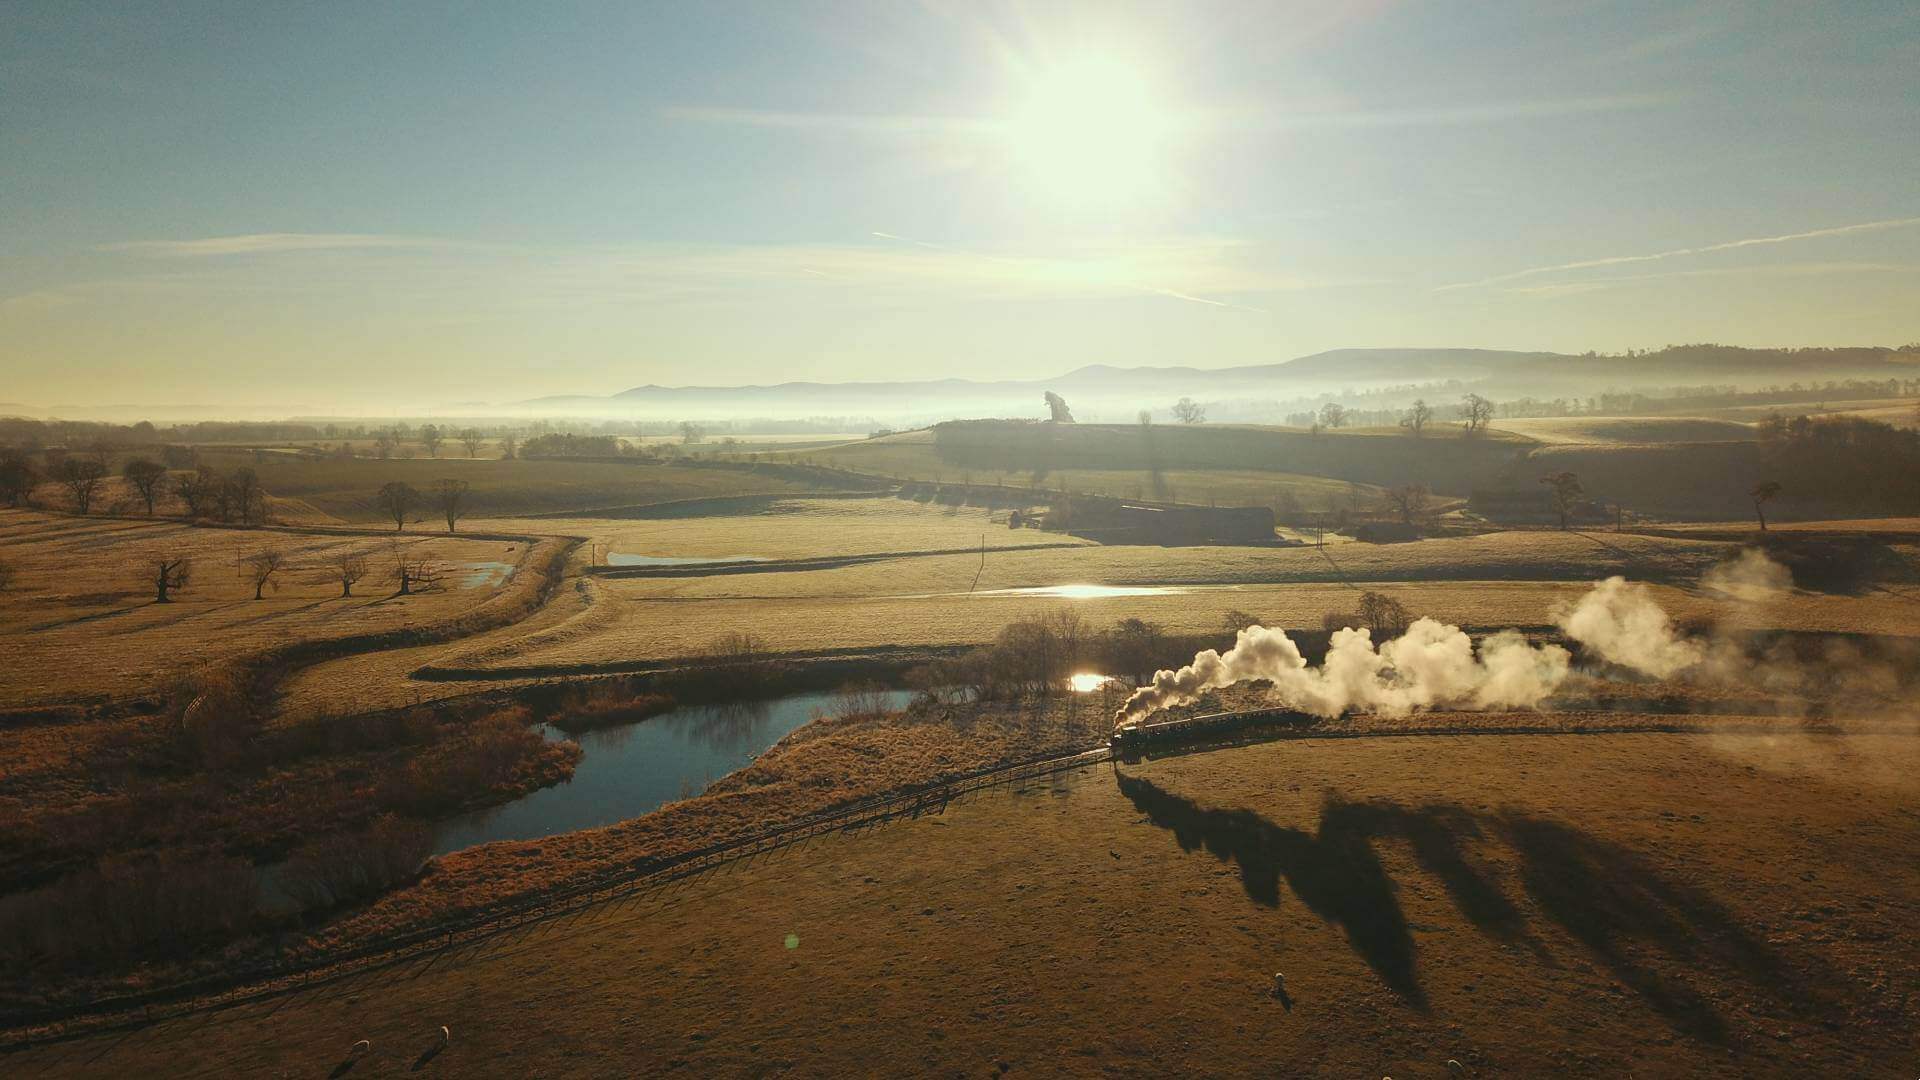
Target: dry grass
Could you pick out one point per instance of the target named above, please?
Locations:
(798, 528)
(1229, 463)
(79, 622)
(1653, 905)
(344, 489)
(1604, 430)
(925, 601)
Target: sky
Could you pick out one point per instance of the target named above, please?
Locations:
(384, 206)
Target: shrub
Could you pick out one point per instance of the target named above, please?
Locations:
(606, 705)
(132, 905)
(343, 869)
(862, 701)
(216, 719)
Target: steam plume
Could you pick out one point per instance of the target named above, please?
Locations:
(1432, 664)
(1752, 577)
(1619, 622)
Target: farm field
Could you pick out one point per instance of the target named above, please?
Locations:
(1627, 429)
(1242, 466)
(1639, 899)
(797, 528)
(1481, 582)
(343, 491)
(79, 621)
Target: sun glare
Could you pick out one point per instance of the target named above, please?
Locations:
(1093, 129)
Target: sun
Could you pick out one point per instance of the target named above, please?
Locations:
(1091, 130)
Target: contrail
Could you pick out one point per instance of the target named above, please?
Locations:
(1757, 241)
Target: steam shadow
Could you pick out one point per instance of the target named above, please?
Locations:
(80, 619)
(281, 612)
(1336, 874)
(1661, 938)
(1610, 900)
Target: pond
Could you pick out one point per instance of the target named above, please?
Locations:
(621, 558)
(1083, 592)
(636, 768)
(476, 575)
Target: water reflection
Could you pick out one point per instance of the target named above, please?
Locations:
(474, 575)
(621, 558)
(630, 770)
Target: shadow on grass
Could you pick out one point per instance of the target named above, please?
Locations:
(1662, 939)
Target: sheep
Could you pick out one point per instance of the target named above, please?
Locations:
(445, 1035)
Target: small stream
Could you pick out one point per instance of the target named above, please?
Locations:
(630, 770)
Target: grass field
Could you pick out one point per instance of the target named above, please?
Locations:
(1230, 464)
(1605, 430)
(343, 490)
(79, 621)
(1654, 905)
(798, 528)
(1482, 582)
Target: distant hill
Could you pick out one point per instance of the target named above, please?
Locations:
(1116, 392)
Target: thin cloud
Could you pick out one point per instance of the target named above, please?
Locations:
(851, 123)
(1806, 269)
(1095, 273)
(1438, 116)
(270, 243)
(1261, 117)
(1732, 245)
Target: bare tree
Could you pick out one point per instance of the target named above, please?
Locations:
(1145, 417)
(413, 573)
(169, 575)
(1410, 500)
(82, 477)
(348, 567)
(1566, 491)
(397, 498)
(384, 443)
(199, 489)
(1476, 411)
(146, 477)
(1189, 411)
(18, 478)
(1333, 415)
(471, 439)
(509, 447)
(691, 432)
(239, 497)
(450, 497)
(1386, 618)
(1762, 494)
(261, 566)
(1133, 649)
(431, 437)
(1418, 415)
